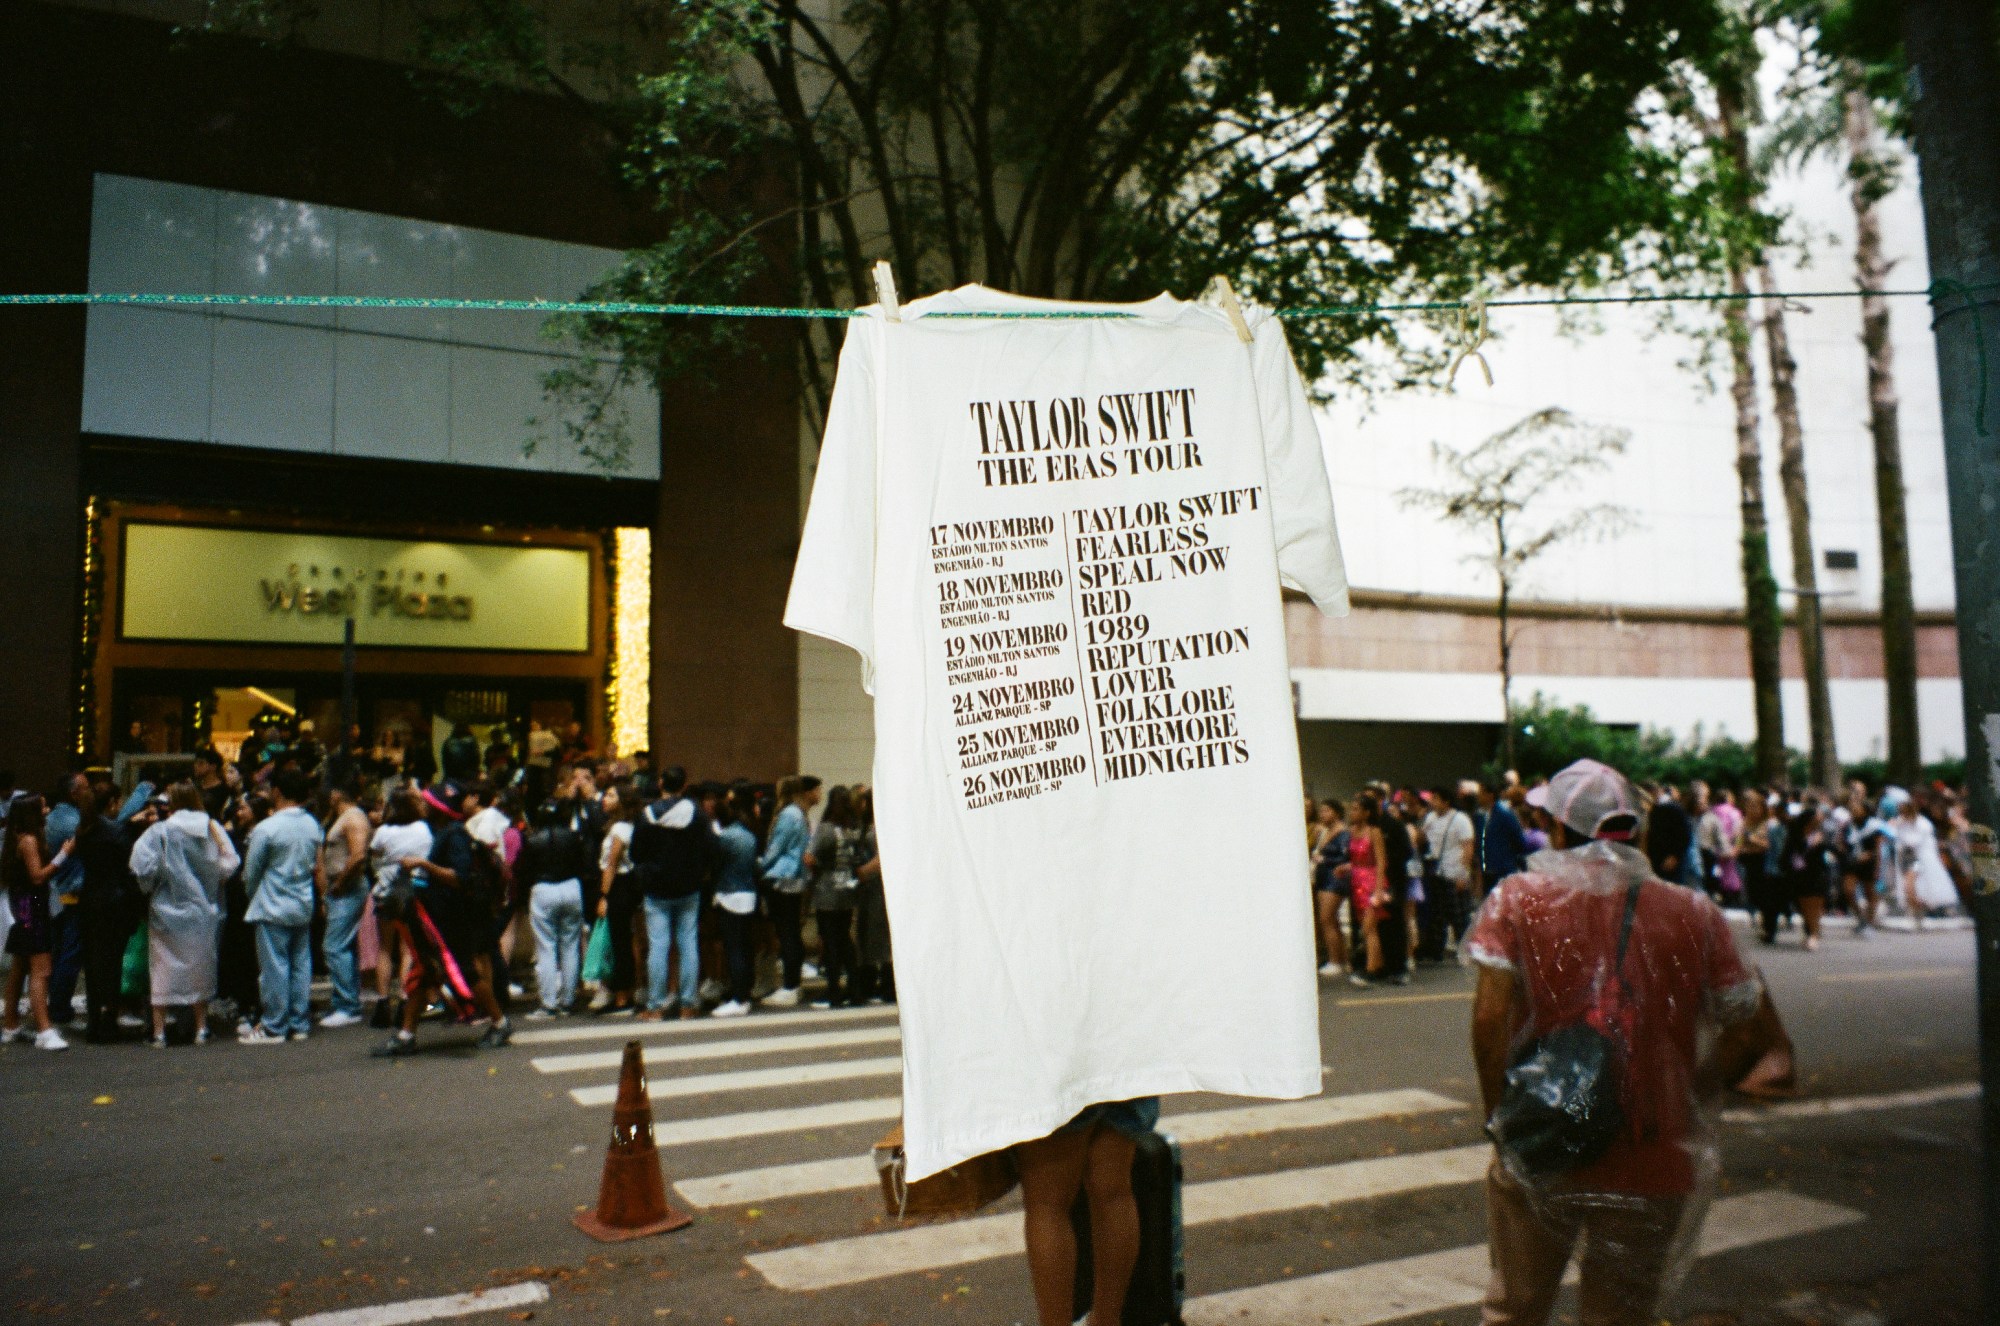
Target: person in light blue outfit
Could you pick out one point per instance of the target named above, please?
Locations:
(782, 868)
(280, 866)
(344, 877)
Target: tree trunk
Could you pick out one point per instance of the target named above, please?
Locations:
(1760, 588)
(1954, 94)
(1506, 677)
(1807, 614)
(1871, 272)
(1761, 614)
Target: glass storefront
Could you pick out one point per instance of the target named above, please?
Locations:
(216, 625)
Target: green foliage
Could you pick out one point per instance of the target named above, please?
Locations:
(1549, 736)
(1314, 151)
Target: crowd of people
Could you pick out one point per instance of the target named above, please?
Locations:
(423, 887)
(1397, 872)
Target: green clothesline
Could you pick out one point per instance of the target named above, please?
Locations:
(602, 307)
(1935, 292)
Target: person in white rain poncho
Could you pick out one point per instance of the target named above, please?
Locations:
(1920, 881)
(181, 863)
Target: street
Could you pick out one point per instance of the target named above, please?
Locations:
(221, 1185)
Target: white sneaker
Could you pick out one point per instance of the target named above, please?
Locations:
(129, 1022)
(20, 1033)
(711, 991)
(333, 1020)
(783, 998)
(514, 990)
(258, 1036)
(1332, 969)
(533, 1015)
(810, 971)
(51, 1040)
(730, 1009)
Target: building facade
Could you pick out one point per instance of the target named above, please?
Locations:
(197, 500)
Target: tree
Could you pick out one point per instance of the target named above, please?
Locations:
(1742, 232)
(1830, 107)
(1490, 492)
(1871, 172)
(1315, 153)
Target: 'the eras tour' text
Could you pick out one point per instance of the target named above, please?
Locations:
(1055, 664)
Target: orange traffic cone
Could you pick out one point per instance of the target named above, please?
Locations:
(632, 1199)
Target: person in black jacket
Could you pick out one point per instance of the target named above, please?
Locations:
(552, 865)
(1669, 834)
(110, 903)
(674, 856)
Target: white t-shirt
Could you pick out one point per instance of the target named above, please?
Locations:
(1057, 545)
(1449, 832)
(619, 834)
(393, 842)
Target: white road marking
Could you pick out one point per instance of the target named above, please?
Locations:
(1456, 1278)
(750, 1079)
(932, 1247)
(666, 1054)
(615, 1029)
(521, 1295)
(1896, 974)
(761, 1123)
(1819, 1109)
(744, 1187)
(858, 1172)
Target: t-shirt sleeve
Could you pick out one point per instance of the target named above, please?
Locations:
(833, 583)
(1309, 557)
(1495, 941)
(1732, 990)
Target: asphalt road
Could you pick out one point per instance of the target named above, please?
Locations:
(228, 1184)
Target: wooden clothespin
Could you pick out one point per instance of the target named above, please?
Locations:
(1471, 335)
(885, 292)
(1225, 295)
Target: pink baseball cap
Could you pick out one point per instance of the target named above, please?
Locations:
(1587, 795)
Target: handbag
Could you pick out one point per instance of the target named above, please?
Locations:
(1561, 1110)
(597, 957)
(135, 969)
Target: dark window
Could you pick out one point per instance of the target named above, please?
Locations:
(1842, 559)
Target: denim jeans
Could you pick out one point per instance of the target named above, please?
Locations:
(343, 923)
(673, 924)
(284, 976)
(555, 914)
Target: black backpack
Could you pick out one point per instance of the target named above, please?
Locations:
(1561, 1108)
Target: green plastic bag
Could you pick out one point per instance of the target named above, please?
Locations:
(135, 975)
(597, 958)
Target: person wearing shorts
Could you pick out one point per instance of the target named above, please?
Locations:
(1092, 1154)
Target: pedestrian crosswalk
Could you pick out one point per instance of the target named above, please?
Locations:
(799, 1075)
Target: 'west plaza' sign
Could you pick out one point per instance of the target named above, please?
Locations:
(202, 583)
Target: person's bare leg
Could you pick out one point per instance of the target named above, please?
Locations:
(1812, 909)
(482, 989)
(38, 989)
(414, 1006)
(200, 1017)
(1327, 908)
(17, 976)
(1114, 1223)
(159, 1012)
(1052, 1173)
